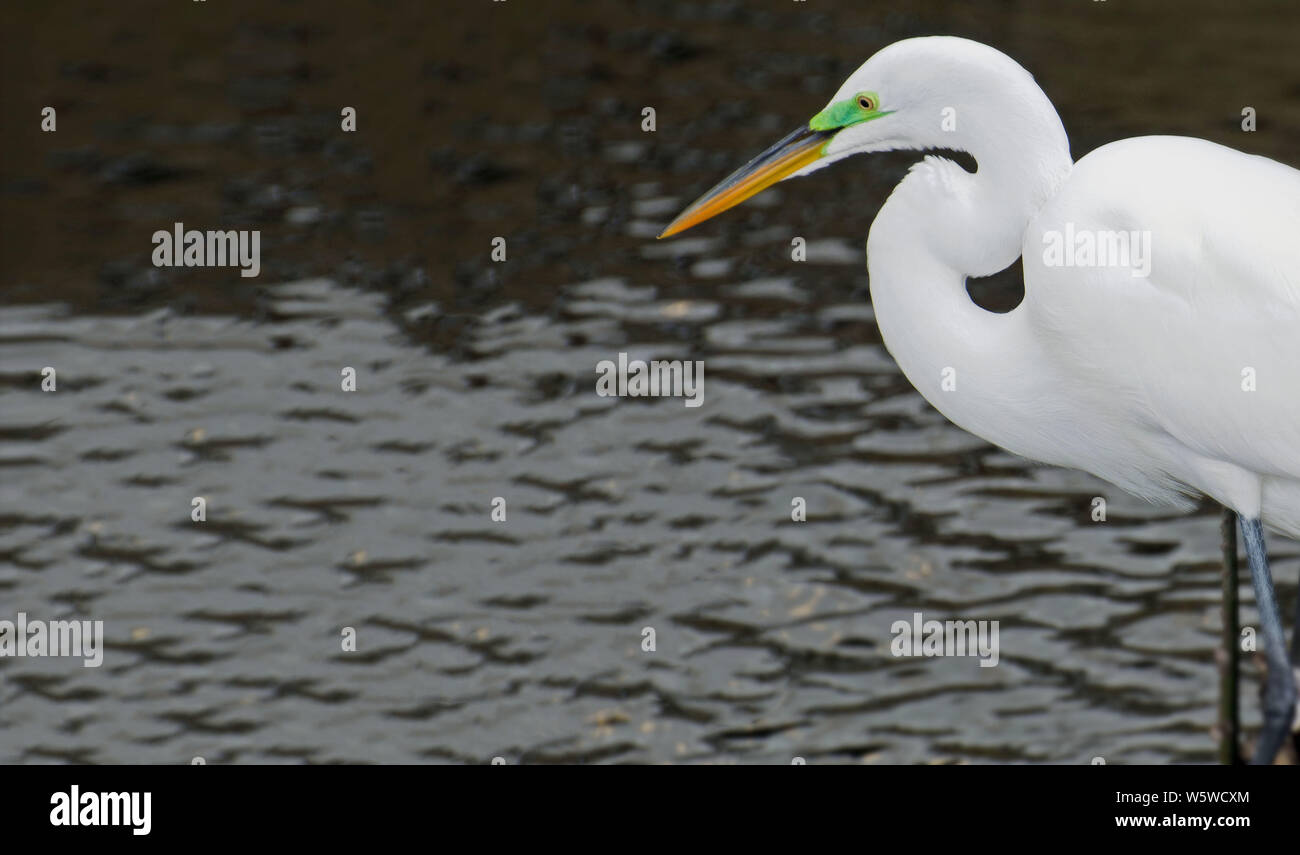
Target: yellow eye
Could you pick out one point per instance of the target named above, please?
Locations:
(867, 102)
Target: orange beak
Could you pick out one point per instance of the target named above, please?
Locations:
(800, 148)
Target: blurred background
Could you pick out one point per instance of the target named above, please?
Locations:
(475, 380)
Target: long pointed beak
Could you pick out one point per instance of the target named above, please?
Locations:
(800, 148)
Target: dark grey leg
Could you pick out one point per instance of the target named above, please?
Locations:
(1229, 655)
(1295, 649)
(1295, 634)
(1279, 691)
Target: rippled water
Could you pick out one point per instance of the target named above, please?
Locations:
(523, 639)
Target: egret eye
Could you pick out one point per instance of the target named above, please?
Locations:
(866, 102)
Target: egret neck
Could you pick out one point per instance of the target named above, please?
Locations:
(943, 224)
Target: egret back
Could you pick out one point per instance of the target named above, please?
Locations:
(1190, 355)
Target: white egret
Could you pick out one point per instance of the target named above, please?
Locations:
(1158, 342)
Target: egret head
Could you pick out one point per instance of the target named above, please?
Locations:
(907, 96)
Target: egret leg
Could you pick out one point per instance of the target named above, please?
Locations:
(1295, 634)
(1229, 656)
(1279, 690)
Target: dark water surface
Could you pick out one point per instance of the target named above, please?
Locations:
(476, 380)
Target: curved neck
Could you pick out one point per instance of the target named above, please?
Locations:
(941, 225)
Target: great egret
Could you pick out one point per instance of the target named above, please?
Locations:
(1158, 342)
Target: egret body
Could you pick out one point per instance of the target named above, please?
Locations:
(1166, 361)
